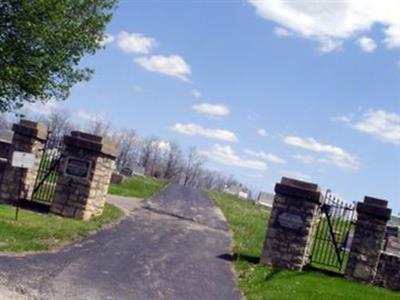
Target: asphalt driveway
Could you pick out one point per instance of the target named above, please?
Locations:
(175, 247)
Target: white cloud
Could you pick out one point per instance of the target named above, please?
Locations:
(173, 65)
(195, 129)
(383, 125)
(366, 44)
(107, 39)
(196, 94)
(392, 39)
(83, 115)
(263, 132)
(309, 159)
(44, 108)
(332, 22)
(213, 110)
(226, 155)
(333, 155)
(282, 32)
(306, 159)
(329, 45)
(342, 119)
(265, 156)
(135, 42)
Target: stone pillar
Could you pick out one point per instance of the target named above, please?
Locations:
(87, 164)
(388, 271)
(28, 137)
(293, 220)
(368, 240)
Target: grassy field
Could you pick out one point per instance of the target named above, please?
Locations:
(248, 224)
(139, 187)
(35, 231)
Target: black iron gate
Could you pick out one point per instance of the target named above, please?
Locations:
(47, 176)
(333, 237)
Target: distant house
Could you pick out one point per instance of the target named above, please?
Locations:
(394, 221)
(265, 199)
(134, 171)
(237, 190)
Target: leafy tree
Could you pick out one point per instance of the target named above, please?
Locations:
(42, 43)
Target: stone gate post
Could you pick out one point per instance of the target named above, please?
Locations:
(28, 137)
(292, 223)
(368, 240)
(87, 165)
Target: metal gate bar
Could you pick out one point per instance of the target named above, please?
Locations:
(332, 234)
(47, 176)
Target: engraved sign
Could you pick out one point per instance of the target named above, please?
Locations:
(77, 167)
(23, 160)
(290, 221)
(393, 245)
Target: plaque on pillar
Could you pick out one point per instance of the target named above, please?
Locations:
(89, 161)
(294, 221)
(76, 167)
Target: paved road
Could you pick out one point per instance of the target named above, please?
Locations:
(189, 204)
(156, 253)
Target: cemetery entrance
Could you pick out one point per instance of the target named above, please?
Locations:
(47, 175)
(331, 245)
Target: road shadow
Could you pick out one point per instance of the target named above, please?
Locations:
(310, 268)
(271, 275)
(255, 260)
(239, 256)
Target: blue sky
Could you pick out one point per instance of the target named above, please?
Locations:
(263, 88)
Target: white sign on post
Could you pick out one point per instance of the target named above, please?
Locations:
(23, 160)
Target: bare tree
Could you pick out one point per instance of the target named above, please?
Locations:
(219, 183)
(149, 155)
(210, 179)
(128, 145)
(5, 123)
(230, 180)
(99, 126)
(174, 163)
(58, 122)
(160, 150)
(193, 167)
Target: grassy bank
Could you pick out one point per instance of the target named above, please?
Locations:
(248, 224)
(139, 187)
(35, 231)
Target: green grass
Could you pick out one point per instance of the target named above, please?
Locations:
(248, 224)
(36, 232)
(139, 187)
